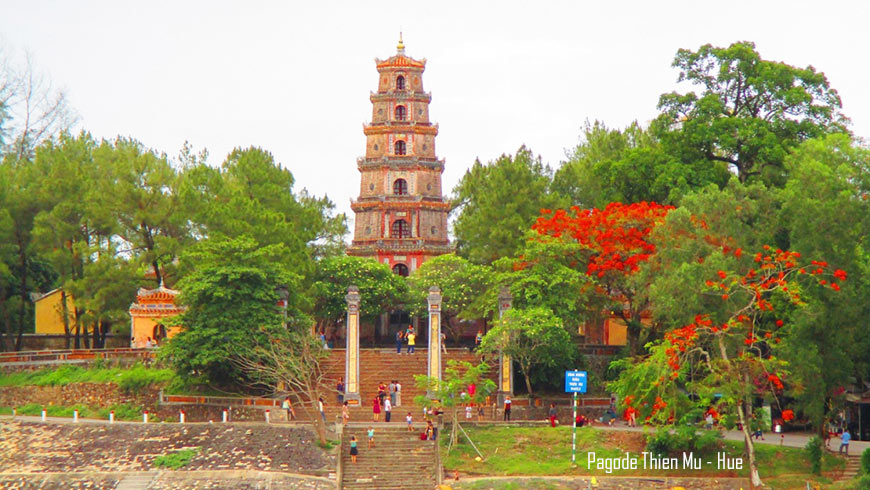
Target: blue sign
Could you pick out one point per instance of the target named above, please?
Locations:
(575, 381)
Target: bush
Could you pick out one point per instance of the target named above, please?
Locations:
(673, 439)
(123, 411)
(132, 379)
(813, 451)
(865, 462)
(175, 460)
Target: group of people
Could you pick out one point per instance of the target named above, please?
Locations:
(388, 396)
(409, 336)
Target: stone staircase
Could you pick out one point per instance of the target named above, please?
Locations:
(853, 467)
(399, 460)
(382, 365)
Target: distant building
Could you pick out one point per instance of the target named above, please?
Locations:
(401, 215)
(151, 306)
(48, 314)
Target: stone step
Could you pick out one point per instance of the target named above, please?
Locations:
(136, 482)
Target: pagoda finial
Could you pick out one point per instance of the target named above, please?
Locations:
(401, 46)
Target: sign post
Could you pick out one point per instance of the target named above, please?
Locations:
(575, 382)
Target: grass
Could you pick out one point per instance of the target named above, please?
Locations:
(175, 460)
(545, 451)
(128, 379)
(123, 411)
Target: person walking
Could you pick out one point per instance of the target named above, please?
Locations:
(552, 414)
(345, 413)
(353, 449)
(388, 409)
(320, 406)
(382, 392)
(376, 409)
(411, 342)
(392, 388)
(507, 408)
(399, 342)
(340, 389)
(844, 441)
(371, 434)
(398, 394)
(410, 420)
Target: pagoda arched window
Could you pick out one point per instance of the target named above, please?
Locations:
(400, 83)
(400, 187)
(400, 270)
(399, 147)
(401, 229)
(401, 112)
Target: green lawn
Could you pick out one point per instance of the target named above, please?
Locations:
(540, 451)
(128, 379)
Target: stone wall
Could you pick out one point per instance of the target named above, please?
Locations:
(33, 341)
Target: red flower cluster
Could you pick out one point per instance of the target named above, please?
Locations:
(617, 235)
(787, 415)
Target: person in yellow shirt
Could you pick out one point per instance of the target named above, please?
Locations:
(412, 337)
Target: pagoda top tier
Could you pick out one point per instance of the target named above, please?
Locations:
(400, 60)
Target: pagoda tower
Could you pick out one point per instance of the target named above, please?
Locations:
(401, 216)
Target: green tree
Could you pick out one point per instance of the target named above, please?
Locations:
(451, 391)
(749, 113)
(139, 191)
(533, 338)
(461, 282)
(229, 288)
(826, 211)
(628, 165)
(380, 289)
(497, 202)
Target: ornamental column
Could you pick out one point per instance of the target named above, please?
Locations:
(505, 364)
(434, 299)
(351, 362)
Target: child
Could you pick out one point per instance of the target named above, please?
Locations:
(371, 438)
(353, 450)
(480, 412)
(345, 413)
(468, 412)
(410, 420)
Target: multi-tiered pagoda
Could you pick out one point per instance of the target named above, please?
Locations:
(401, 216)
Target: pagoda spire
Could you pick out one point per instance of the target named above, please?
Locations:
(400, 48)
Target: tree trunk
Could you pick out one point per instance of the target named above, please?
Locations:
(65, 308)
(632, 333)
(22, 286)
(528, 381)
(754, 478)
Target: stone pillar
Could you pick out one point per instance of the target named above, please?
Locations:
(505, 365)
(434, 299)
(351, 362)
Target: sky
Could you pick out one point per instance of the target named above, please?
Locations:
(294, 77)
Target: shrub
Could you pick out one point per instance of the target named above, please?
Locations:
(865, 461)
(175, 460)
(813, 451)
(672, 439)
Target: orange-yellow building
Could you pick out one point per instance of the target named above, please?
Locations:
(151, 306)
(48, 312)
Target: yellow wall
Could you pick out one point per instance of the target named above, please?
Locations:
(143, 327)
(617, 332)
(49, 312)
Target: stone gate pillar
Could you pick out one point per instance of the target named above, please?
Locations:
(351, 362)
(505, 365)
(434, 299)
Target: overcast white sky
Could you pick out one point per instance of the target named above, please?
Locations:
(294, 77)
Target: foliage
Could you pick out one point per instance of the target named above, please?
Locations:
(451, 391)
(176, 459)
(749, 113)
(461, 282)
(130, 380)
(232, 306)
(865, 461)
(545, 274)
(727, 357)
(629, 165)
(291, 360)
(667, 441)
(615, 242)
(496, 204)
(814, 454)
(380, 289)
(534, 338)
